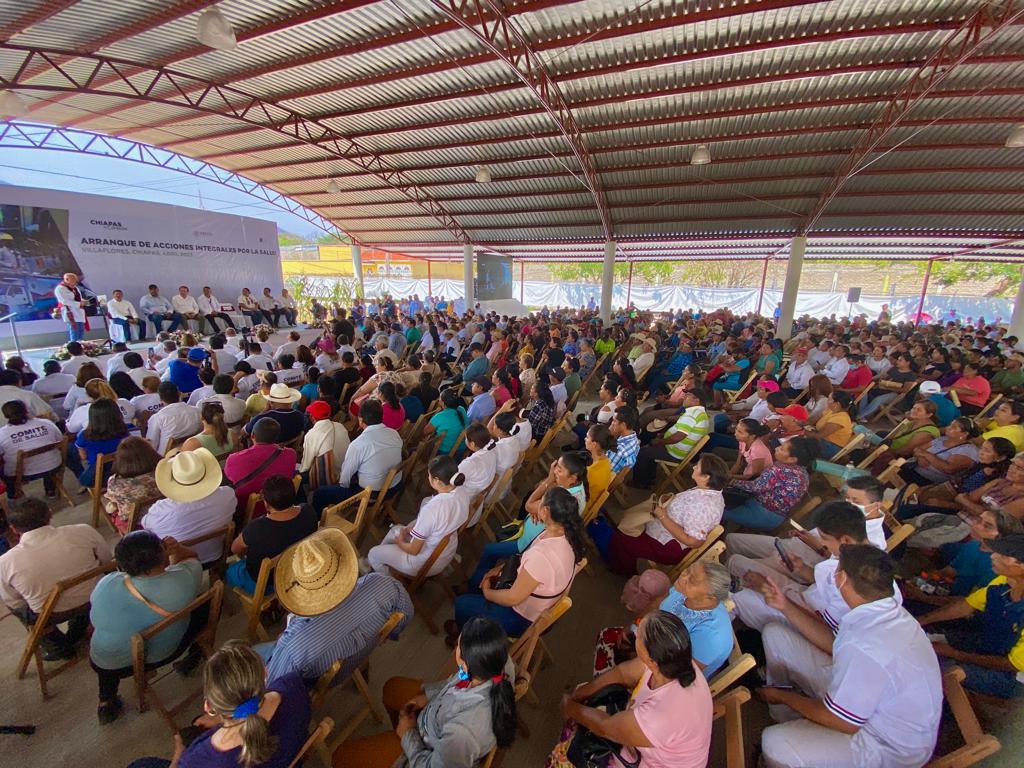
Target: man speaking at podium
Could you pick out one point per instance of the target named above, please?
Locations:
(71, 305)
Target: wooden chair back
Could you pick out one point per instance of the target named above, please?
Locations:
(316, 741)
(727, 707)
(977, 744)
(732, 395)
(899, 531)
(378, 501)
(144, 679)
(174, 444)
(458, 442)
(528, 652)
(594, 506)
(226, 535)
(412, 584)
(991, 404)
(737, 666)
(697, 553)
(855, 442)
(493, 503)
(98, 484)
(336, 515)
(42, 622)
(863, 393)
(256, 604)
(674, 469)
(60, 448)
(803, 510)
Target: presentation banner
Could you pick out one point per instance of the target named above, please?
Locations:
(126, 244)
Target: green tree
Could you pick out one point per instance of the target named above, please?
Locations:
(289, 238)
(1007, 276)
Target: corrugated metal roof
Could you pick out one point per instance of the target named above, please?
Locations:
(388, 95)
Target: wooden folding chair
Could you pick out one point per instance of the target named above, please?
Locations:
(977, 744)
(888, 412)
(316, 741)
(61, 448)
(227, 536)
(674, 469)
(989, 406)
(377, 505)
(891, 474)
(259, 602)
(855, 442)
(699, 553)
(899, 531)
(413, 584)
(336, 515)
(146, 679)
(492, 506)
(803, 510)
(42, 623)
(617, 487)
(593, 507)
(98, 484)
(457, 443)
(174, 444)
(732, 395)
(737, 666)
(524, 649)
(728, 708)
(431, 446)
(358, 679)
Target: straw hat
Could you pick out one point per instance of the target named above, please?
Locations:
(282, 393)
(188, 476)
(388, 354)
(316, 574)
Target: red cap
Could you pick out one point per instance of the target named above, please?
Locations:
(319, 410)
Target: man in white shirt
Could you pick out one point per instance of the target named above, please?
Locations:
(837, 368)
(77, 360)
(175, 420)
(223, 359)
(156, 309)
(799, 373)
(43, 556)
(10, 389)
(326, 435)
(249, 307)
(821, 354)
(257, 359)
(53, 386)
(368, 460)
(234, 408)
(116, 362)
(72, 305)
(291, 346)
(270, 307)
(187, 306)
(209, 307)
(194, 503)
(288, 308)
(869, 695)
(122, 314)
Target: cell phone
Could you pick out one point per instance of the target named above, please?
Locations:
(784, 556)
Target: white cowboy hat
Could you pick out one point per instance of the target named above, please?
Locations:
(316, 574)
(188, 475)
(282, 393)
(385, 353)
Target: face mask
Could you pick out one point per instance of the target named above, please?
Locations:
(863, 509)
(462, 674)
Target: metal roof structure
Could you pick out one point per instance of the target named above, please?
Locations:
(878, 128)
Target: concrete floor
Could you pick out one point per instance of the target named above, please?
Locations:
(68, 733)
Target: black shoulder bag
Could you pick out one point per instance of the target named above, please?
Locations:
(588, 750)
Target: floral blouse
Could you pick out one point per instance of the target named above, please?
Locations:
(779, 488)
(124, 493)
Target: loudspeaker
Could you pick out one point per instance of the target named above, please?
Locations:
(853, 295)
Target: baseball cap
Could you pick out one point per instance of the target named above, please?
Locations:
(197, 354)
(803, 350)
(769, 385)
(319, 410)
(929, 388)
(1011, 545)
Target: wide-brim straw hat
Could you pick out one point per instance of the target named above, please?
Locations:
(316, 574)
(282, 393)
(188, 475)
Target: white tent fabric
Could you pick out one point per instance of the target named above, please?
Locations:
(664, 298)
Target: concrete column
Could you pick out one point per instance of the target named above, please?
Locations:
(607, 281)
(357, 268)
(467, 275)
(791, 287)
(1017, 319)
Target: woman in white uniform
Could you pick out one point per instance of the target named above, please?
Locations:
(407, 548)
(480, 467)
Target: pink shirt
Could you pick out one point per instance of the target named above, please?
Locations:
(393, 417)
(549, 560)
(677, 722)
(757, 450)
(979, 384)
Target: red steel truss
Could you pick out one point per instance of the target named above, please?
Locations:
(136, 82)
(486, 20)
(976, 31)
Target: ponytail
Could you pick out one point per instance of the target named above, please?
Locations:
(564, 510)
(234, 686)
(450, 399)
(389, 394)
(503, 712)
(213, 414)
(258, 745)
(446, 469)
(483, 646)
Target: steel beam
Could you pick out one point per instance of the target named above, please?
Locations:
(163, 86)
(977, 31)
(487, 21)
(695, 117)
(34, 136)
(34, 16)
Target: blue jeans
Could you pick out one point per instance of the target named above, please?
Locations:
(868, 407)
(75, 330)
(996, 682)
(489, 558)
(157, 321)
(328, 495)
(124, 325)
(827, 449)
(468, 606)
(752, 514)
(255, 316)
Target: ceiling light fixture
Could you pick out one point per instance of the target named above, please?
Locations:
(701, 155)
(214, 31)
(12, 105)
(333, 186)
(483, 175)
(1016, 137)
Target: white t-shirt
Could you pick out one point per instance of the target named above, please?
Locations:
(147, 403)
(116, 363)
(34, 433)
(479, 469)
(79, 418)
(198, 395)
(260, 362)
(291, 376)
(438, 516)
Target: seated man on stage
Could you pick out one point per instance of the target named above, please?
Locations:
(187, 306)
(209, 307)
(271, 307)
(156, 309)
(122, 314)
(288, 307)
(249, 307)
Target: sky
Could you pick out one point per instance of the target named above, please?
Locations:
(122, 178)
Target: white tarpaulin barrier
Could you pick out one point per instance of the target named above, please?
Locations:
(740, 300)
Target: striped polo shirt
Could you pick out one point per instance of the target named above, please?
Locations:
(696, 423)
